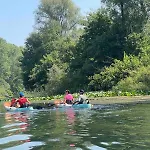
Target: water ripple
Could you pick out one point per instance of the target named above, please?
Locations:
(26, 146)
(14, 124)
(95, 147)
(13, 138)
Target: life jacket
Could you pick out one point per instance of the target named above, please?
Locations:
(69, 97)
(13, 101)
(22, 101)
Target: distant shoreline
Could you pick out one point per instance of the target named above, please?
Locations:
(120, 100)
(109, 100)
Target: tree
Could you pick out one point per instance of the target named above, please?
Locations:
(11, 73)
(113, 74)
(31, 56)
(56, 62)
(131, 15)
(56, 23)
(63, 12)
(97, 47)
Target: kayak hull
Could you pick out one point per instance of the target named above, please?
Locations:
(79, 106)
(8, 108)
(75, 106)
(18, 109)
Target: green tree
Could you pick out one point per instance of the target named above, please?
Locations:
(139, 81)
(54, 67)
(11, 73)
(111, 75)
(131, 15)
(31, 56)
(63, 12)
(97, 47)
(56, 23)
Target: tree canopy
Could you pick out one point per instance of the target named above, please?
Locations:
(105, 50)
(11, 73)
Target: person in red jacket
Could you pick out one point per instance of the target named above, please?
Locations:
(23, 101)
(13, 102)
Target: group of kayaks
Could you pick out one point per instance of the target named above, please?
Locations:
(30, 108)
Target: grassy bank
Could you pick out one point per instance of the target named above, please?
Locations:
(99, 97)
(109, 100)
(120, 100)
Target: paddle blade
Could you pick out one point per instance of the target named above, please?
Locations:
(58, 101)
(7, 104)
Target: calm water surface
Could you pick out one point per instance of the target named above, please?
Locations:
(113, 127)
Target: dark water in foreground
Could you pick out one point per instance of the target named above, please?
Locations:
(113, 127)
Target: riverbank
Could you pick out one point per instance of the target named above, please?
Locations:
(120, 100)
(103, 100)
(97, 101)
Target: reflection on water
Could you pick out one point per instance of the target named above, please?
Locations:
(13, 127)
(16, 121)
(14, 138)
(106, 128)
(25, 146)
(95, 147)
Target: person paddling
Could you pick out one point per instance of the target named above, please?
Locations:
(68, 97)
(23, 101)
(13, 102)
(82, 99)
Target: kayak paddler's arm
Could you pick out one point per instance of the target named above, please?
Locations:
(64, 101)
(28, 101)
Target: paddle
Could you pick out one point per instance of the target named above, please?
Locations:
(58, 101)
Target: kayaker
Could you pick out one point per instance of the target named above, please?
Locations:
(13, 102)
(82, 99)
(68, 97)
(23, 101)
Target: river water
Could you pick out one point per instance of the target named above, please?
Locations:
(107, 127)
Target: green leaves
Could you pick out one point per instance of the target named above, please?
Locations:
(64, 12)
(10, 74)
(118, 71)
(138, 81)
(99, 52)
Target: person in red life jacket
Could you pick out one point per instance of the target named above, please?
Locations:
(13, 102)
(23, 101)
(68, 97)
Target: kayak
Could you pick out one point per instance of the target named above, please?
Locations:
(8, 108)
(75, 106)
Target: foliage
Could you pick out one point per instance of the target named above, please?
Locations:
(10, 74)
(131, 15)
(108, 33)
(139, 80)
(110, 76)
(52, 45)
(107, 49)
(63, 12)
(93, 50)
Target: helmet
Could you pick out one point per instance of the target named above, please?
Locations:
(81, 91)
(21, 94)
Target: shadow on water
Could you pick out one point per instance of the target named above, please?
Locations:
(105, 127)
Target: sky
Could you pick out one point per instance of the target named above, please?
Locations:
(17, 17)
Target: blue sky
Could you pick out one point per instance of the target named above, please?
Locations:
(17, 17)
